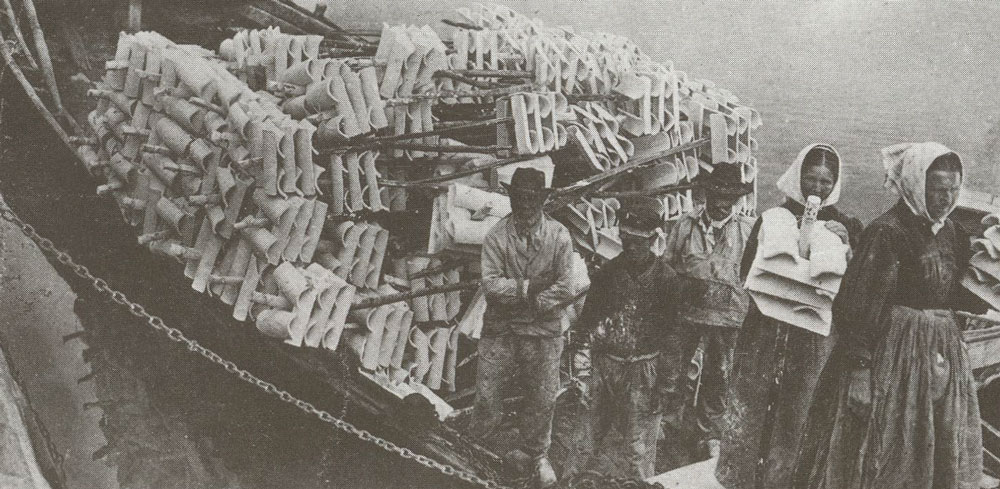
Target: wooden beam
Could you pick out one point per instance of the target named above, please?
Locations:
(436, 132)
(30, 91)
(458, 174)
(405, 296)
(496, 73)
(263, 18)
(568, 194)
(43, 54)
(647, 192)
(430, 148)
(306, 21)
(15, 28)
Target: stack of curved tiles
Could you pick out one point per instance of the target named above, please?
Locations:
(354, 252)
(983, 276)
(380, 334)
(706, 107)
(795, 290)
(593, 226)
(342, 102)
(642, 98)
(536, 116)
(593, 223)
(216, 160)
(642, 95)
(427, 352)
(268, 52)
(218, 177)
(463, 215)
(406, 59)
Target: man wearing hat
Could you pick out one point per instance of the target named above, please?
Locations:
(632, 301)
(706, 245)
(526, 274)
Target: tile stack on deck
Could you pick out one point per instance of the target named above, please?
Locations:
(266, 170)
(983, 276)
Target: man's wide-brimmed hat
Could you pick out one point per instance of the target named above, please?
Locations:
(726, 181)
(640, 216)
(527, 180)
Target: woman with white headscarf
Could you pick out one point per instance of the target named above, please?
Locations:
(766, 420)
(896, 405)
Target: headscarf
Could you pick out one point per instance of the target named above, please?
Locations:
(790, 182)
(906, 167)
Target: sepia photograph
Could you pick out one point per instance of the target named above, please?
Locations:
(499, 244)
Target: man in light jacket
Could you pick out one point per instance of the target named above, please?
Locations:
(707, 246)
(526, 273)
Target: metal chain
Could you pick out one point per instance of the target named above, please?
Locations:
(176, 335)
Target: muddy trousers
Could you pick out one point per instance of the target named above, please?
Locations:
(514, 365)
(717, 362)
(622, 393)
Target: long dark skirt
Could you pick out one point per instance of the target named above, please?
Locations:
(923, 429)
(769, 349)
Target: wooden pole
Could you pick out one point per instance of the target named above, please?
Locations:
(565, 195)
(18, 34)
(495, 73)
(306, 21)
(134, 16)
(464, 79)
(255, 14)
(30, 91)
(405, 296)
(647, 192)
(435, 132)
(43, 54)
(431, 148)
(459, 174)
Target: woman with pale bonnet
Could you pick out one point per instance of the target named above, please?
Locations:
(896, 405)
(766, 419)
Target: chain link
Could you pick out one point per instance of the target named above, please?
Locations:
(178, 336)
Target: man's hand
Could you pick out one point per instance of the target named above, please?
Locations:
(840, 230)
(536, 287)
(859, 392)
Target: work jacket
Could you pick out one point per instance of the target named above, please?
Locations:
(544, 258)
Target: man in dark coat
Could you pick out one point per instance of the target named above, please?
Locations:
(632, 301)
